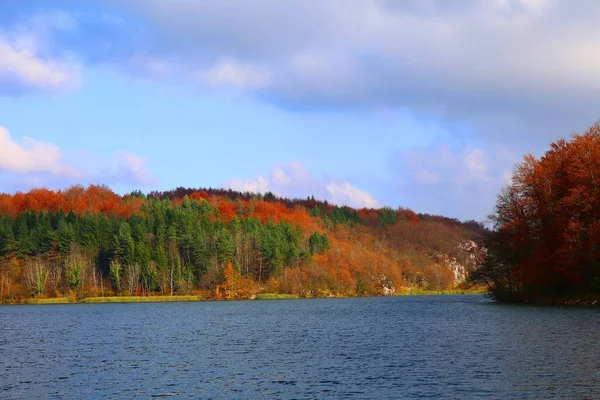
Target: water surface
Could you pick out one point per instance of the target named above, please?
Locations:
(446, 347)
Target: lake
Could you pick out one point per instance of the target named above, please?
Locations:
(450, 347)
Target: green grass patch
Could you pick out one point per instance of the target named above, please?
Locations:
(56, 300)
(439, 292)
(139, 299)
(276, 296)
(261, 296)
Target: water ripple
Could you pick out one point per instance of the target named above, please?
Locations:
(407, 347)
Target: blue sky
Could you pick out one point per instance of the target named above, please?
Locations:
(423, 104)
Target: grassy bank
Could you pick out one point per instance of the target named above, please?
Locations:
(138, 299)
(276, 296)
(187, 298)
(54, 300)
(112, 299)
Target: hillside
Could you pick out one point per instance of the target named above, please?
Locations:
(221, 244)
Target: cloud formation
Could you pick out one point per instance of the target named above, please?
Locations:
(434, 165)
(502, 67)
(293, 180)
(130, 169)
(458, 182)
(26, 62)
(32, 163)
(232, 73)
(519, 70)
(32, 156)
(347, 194)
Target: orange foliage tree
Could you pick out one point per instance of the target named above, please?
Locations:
(547, 238)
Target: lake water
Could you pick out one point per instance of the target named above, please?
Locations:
(450, 347)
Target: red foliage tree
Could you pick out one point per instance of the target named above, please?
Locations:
(548, 219)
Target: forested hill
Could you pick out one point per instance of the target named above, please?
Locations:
(221, 244)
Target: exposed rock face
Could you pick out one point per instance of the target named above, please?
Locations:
(388, 291)
(468, 256)
(387, 286)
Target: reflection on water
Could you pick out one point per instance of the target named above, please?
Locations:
(402, 347)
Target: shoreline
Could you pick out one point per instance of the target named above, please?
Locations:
(520, 298)
(195, 298)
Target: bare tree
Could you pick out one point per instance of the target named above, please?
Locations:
(36, 275)
(132, 276)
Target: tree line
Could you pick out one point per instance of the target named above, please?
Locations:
(92, 242)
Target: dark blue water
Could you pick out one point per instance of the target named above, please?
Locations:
(450, 347)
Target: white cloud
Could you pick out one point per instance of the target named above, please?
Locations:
(516, 70)
(459, 182)
(33, 163)
(524, 71)
(131, 169)
(434, 165)
(347, 194)
(475, 163)
(292, 176)
(232, 73)
(32, 156)
(473, 41)
(258, 185)
(22, 67)
(530, 64)
(290, 179)
(293, 180)
(280, 177)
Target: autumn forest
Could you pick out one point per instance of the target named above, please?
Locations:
(218, 244)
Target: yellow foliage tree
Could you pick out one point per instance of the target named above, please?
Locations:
(231, 285)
